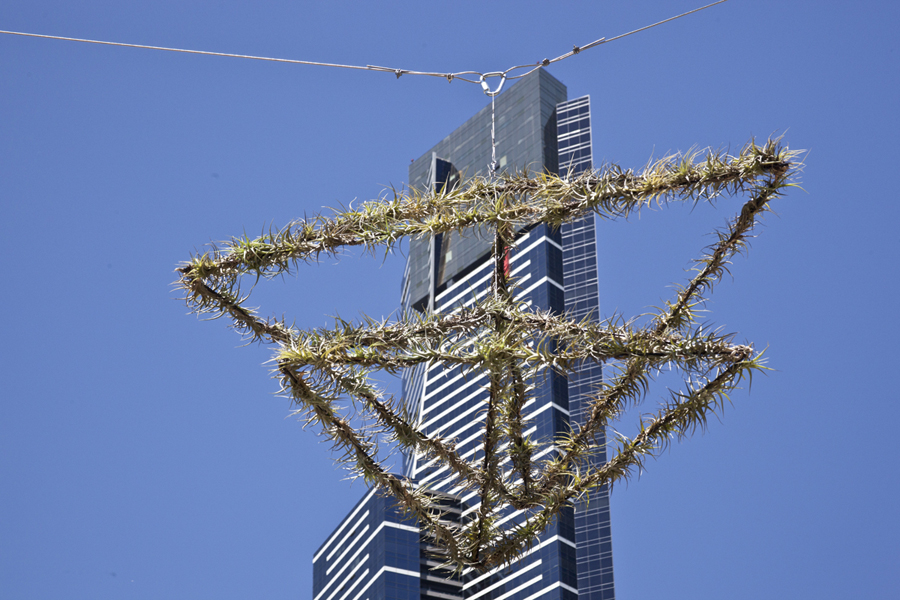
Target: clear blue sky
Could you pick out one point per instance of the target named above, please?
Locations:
(143, 453)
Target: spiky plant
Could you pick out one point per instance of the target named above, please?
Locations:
(504, 338)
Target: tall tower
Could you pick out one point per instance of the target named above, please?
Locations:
(592, 519)
(556, 270)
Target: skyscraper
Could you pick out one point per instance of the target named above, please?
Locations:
(367, 556)
(592, 519)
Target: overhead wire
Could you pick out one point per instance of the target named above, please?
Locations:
(186, 51)
(479, 77)
(579, 49)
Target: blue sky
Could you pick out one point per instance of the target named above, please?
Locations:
(143, 453)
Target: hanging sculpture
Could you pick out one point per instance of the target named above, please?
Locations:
(510, 342)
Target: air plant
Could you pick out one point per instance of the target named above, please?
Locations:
(509, 341)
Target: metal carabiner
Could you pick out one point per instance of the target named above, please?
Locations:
(487, 88)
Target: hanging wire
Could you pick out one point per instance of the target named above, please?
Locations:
(494, 165)
(492, 93)
(468, 76)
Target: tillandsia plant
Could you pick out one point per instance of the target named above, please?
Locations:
(506, 339)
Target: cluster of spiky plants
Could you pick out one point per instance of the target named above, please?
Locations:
(505, 339)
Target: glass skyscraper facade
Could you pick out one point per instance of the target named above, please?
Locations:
(537, 129)
(377, 553)
(592, 520)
